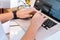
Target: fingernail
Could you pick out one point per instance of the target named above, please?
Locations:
(31, 15)
(44, 17)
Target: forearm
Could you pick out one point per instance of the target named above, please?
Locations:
(30, 33)
(6, 16)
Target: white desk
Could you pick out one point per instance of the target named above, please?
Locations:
(16, 31)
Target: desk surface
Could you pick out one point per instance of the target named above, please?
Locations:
(24, 24)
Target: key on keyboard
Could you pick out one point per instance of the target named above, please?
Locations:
(48, 24)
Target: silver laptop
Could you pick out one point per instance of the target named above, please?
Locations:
(50, 8)
(2, 33)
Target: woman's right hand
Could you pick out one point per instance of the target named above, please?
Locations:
(36, 23)
(38, 20)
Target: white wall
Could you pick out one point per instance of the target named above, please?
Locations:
(5, 3)
(9, 3)
(13, 3)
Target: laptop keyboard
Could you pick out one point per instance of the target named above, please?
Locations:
(48, 24)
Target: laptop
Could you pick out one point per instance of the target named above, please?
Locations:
(51, 9)
(2, 33)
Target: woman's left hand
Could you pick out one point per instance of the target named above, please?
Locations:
(25, 13)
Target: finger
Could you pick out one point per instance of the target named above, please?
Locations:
(37, 15)
(30, 10)
(43, 14)
(32, 13)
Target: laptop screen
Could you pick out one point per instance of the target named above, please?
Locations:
(49, 7)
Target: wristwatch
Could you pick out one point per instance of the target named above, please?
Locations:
(14, 14)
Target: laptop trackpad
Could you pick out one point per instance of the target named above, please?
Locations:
(43, 33)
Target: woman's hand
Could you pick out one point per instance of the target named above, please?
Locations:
(38, 20)
(36, 23)
(25, 13)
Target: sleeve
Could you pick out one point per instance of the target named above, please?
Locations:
(2, 33)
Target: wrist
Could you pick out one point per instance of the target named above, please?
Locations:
(15, 15)
(11, 15)
(34, 28)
